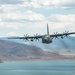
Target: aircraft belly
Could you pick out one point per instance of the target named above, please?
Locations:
(46, 41)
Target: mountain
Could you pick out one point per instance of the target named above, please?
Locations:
(21, 50)
(17, 51)
(11, 51)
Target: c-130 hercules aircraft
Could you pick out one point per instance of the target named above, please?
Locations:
(47, 38)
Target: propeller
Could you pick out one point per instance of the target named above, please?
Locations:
(36, 37)
(25, 37)
(66, 33)
(55, 33)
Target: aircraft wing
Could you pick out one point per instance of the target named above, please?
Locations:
(26, 37)
(63, 34)
(40, 36)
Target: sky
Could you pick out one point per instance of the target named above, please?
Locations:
(19, 17)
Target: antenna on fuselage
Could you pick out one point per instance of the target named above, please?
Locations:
(47, 30)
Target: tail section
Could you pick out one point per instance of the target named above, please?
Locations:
(47, 30)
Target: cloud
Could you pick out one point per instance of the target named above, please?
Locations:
(62, 18)
(10, 1)
(50, 4)
(27, 15)
(8, 8)
(59, 21)
(70, 4)
(19, 19)
(11, 34)
(15, 16)
(47, 4)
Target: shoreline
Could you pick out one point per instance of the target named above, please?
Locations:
(39, 60)
(48, 57)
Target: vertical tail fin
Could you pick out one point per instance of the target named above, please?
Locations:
(47, 30)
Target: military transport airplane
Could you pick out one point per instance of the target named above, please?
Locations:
(47, 38)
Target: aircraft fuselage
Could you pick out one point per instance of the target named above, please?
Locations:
(46, 39)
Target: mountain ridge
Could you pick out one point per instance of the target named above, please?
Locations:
(12, 51)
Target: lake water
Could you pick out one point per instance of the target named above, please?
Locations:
(57, 67)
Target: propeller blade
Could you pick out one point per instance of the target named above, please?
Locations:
(55, 33)
(35, 35)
